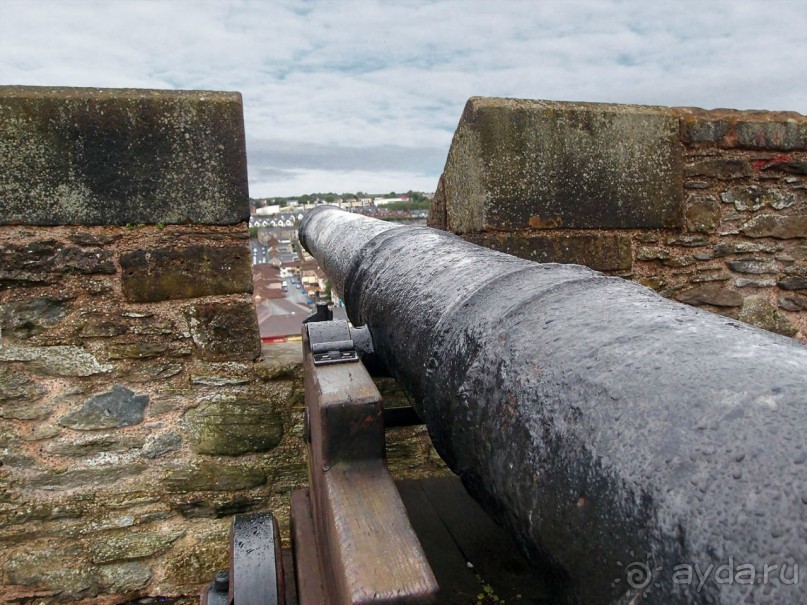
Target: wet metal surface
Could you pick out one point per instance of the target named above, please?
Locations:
(612, 430)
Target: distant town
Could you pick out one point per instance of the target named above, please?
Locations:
(287, 280)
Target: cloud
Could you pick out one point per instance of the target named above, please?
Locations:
(373, 90)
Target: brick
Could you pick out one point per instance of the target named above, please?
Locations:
(115, 156)
(177, 273)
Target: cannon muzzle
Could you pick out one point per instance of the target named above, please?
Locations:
(646, 451)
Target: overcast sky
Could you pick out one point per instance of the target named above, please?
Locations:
(362, 95)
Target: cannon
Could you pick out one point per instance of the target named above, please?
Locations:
(637, 450)
(601, 423)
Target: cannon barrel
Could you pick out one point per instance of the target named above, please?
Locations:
(644, 450)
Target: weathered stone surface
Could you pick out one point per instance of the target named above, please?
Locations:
(45, 260)
(55, 361)
(123, 546)
(149, 372)
(696, 130)
(651, 253)
(136, 350)
(93, 239)
(215, 506)
(741, 247)
(774, 225)
(40, 432)
(209, 476)
(113, 409)
(437, 209)
(93, 444)
(228, 426)
(118, 156)
(721, 168)
(754, 283)
(198, 555)
(517, 164)
(753, 265)
(189, 272)
(155, 327)
(689, 240)
(29, 318)
(793, 167)
(121, 578)
(160, 445)
(793, 283)
(753, 198)
(702, 214)
(25, 410)
(55, 566)
(101, 326)
(793, 302)
(85, 477)
(221, 374)
(16, 385)
(600, 252)
(758, 311)
(225, 331)
(711, 294)
(777, 134)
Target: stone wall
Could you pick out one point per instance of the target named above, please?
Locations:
(706, 207)
(136, 413)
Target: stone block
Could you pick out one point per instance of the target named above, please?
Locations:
(753, 265)
(710, 294)
(519, 164)
(753, 198)
(93, 444)
(122, 546)
(55, 361)
(598, 251)
(758, 311)
(46, 261)
(16, 385)
(32, 317)
(730, 168)
(740, 247)
(190, 272)
(696, 130)
(230, 426)
(136, 350)
(160, 445)
(774, 225)
(225, 331)
(117, 156)
(702, 214)
(114, 409)
(210, 476)
(793, 302)
(85, 477)
(779, 133)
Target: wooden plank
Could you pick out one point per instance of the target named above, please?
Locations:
(307, 569)
(458, 583)
(495, 557)
(370, 553)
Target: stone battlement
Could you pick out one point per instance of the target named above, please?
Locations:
(706, 207)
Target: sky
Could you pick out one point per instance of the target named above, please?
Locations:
(363, 95)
